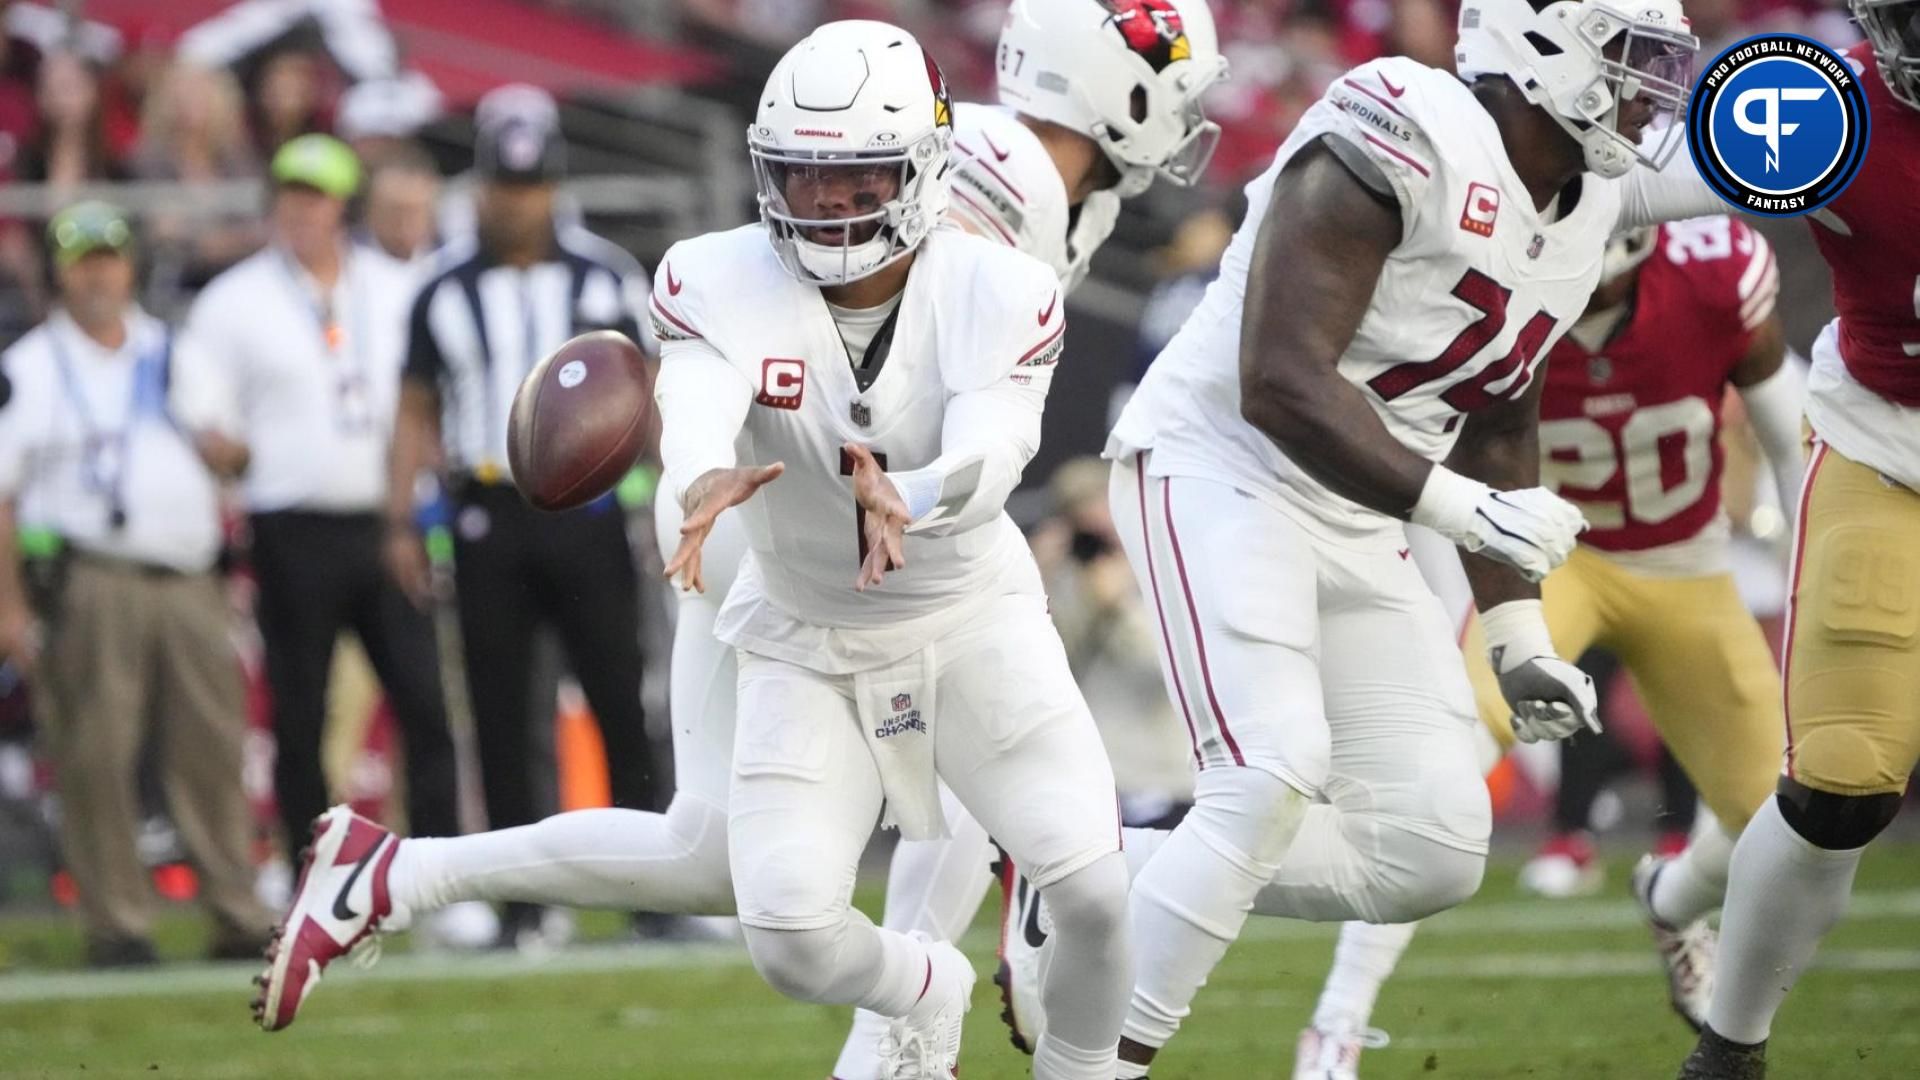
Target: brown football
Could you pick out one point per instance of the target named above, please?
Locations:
(579, 420)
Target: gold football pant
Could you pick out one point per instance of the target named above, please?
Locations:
(1697, 657)
(1853, 631)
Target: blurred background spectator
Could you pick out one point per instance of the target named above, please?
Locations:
(123, 527)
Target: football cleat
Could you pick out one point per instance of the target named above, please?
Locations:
(1024, 928)
(1687, 951)
(1717, 1058)
(1564, 867)
(341, 901)
(929, 1048)
(1333, 1055)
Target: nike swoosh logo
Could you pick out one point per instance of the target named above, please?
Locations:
(998, 154)
(673, 287)
(1030, 922)
(1396, 91)
(1405, 552)
(1047, 315)
(340, 909)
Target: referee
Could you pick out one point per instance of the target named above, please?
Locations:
(501, 301)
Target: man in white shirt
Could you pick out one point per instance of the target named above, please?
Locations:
(124, 522)
(308, 337)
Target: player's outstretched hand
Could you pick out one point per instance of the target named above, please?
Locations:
(885, 521)
(714, 491)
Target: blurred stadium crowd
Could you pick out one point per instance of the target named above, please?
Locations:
(175, 112)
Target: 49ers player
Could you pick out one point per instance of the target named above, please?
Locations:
(1852, 666)
(1629, 433)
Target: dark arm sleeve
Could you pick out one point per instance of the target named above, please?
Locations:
(424, 363)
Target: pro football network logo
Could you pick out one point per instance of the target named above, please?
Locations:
(1778, 125)
(1152, 28)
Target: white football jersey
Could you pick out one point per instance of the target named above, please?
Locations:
(975, 316)
(1466, 308)
(1006, 187)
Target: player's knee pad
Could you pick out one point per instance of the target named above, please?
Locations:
(1417, 877)
(1247, 816)
(1091, 902)
(701, 829)
(1835, 822)
(802, 964)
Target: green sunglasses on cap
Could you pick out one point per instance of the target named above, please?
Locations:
(86, 227)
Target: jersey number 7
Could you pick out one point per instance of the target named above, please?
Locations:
(860, 512)
(1488, 297)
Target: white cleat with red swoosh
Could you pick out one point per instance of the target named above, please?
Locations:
(340, 902)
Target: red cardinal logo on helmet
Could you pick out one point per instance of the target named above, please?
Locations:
(1151, 28)
(942, 101)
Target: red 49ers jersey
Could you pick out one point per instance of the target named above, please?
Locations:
(1870, 237)
(1630, 431)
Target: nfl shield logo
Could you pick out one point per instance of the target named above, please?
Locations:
(902, 702)
(1599, 369)
(862, 415)
(1539, 244)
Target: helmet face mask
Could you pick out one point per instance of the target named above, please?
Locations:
(1594, 68)
(850, 152)
(1893, 29)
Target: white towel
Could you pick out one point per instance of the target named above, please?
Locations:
(896, 708)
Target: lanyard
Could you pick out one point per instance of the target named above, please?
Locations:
(106, 452)
(352, 396)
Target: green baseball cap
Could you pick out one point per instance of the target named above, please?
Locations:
(87, 227)
(321, 162)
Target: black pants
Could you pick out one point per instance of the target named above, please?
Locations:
(319, 574)
(515, 568)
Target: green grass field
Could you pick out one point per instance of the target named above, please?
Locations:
(1503, 987)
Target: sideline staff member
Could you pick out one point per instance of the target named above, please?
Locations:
(137, 642)
(310, 334)
(503, 300)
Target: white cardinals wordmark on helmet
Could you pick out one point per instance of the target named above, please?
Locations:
(877, 130)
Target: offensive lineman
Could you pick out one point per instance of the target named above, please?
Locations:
(1630, 426)
(1418, 244)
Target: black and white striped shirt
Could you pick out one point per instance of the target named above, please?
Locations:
(479, 326)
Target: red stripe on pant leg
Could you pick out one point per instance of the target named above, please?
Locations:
(1193, 614)
(1166, 637)
(1793, 594)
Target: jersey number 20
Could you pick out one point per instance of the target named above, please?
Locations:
(1580, 454)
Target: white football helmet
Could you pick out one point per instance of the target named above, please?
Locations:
(1128, 74)
(859, 108)
(1893, 26)
(1582, 61)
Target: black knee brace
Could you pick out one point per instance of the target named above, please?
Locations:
(1835, 822)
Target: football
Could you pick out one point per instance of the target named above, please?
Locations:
(579, 420)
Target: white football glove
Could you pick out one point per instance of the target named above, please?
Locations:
(1533, 530)
(1551, 698)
